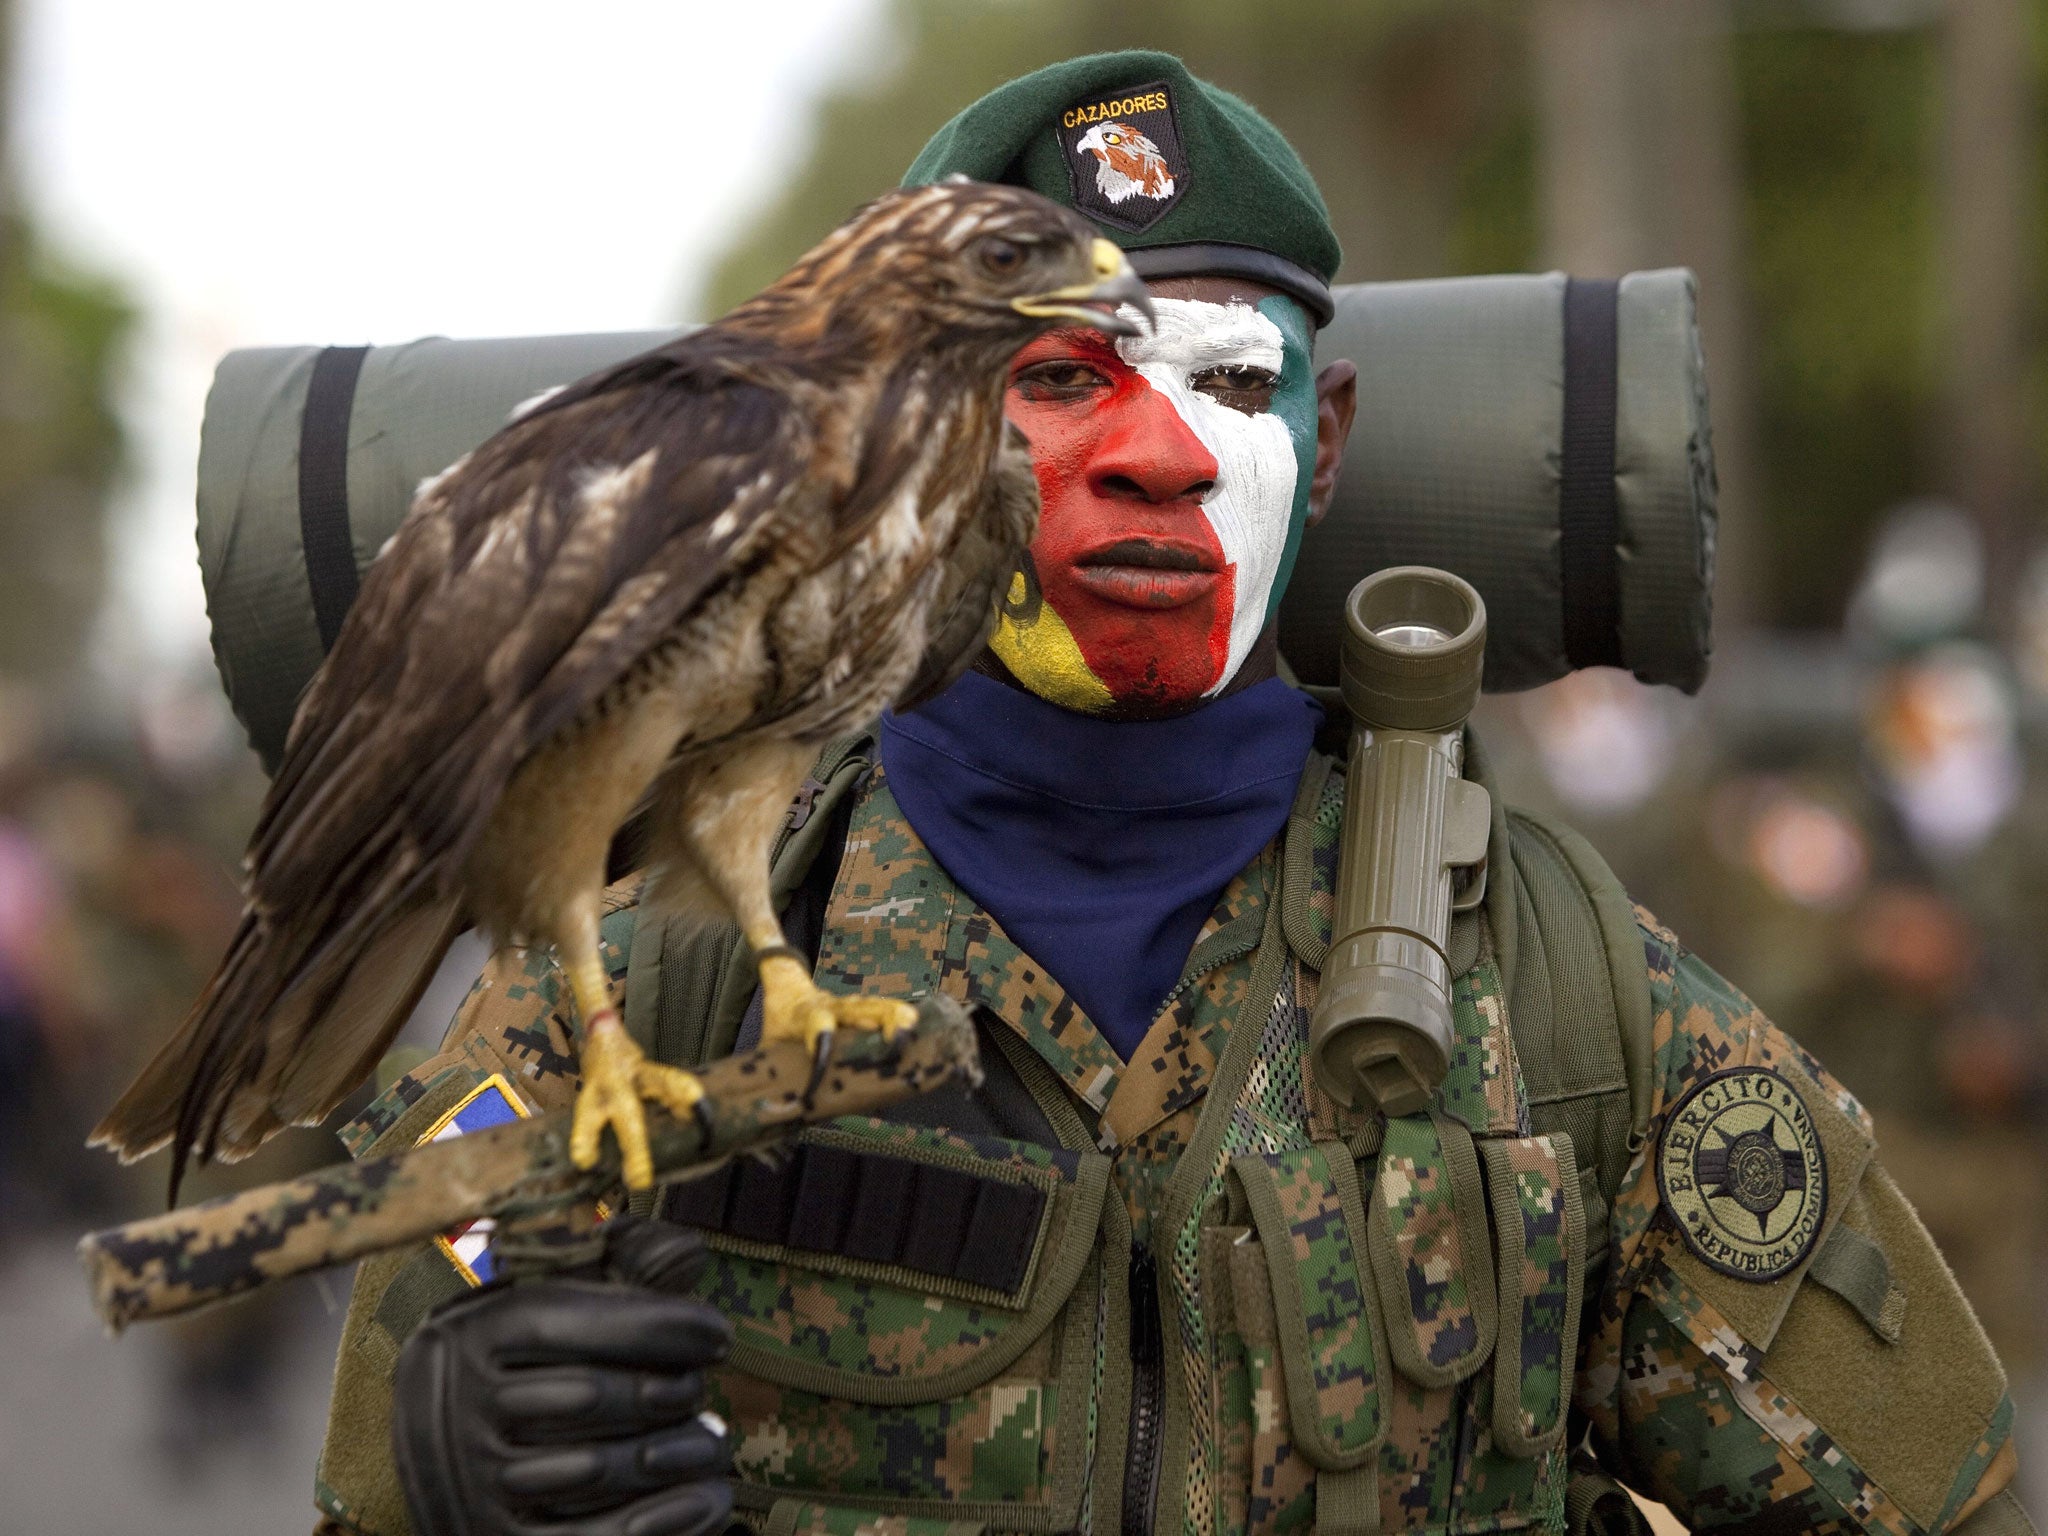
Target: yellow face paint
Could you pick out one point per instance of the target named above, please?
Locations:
(1041, 654)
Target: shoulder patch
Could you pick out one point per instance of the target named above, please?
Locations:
(1741, 1168)
(1124, 156)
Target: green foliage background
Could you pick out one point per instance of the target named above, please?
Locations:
(62, 338)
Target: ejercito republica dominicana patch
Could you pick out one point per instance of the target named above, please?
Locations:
(1123, 156)
(1740, 1166)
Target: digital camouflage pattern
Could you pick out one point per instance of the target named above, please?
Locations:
(1541, 1264)
(855, 1387)
(1674, 1389)
(1281, 1480)
(897, 924)
(996, 1443)
(829, 1313)
(1435, 1287)
(1315, 1246)
(896, 910)
(190, 1258)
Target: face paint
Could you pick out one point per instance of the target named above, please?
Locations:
(1169, 515)
(1295, 403)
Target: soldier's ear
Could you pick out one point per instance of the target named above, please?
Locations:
(1336, 406)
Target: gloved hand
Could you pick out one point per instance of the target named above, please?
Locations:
(569, 1406)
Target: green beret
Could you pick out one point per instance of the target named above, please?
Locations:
(1186, 177)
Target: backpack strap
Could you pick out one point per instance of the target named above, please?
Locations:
(1578, 988)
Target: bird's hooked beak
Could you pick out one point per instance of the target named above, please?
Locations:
(1096, 303)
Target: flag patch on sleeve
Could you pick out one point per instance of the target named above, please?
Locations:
(491, 1102)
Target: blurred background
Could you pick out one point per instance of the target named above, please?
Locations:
(1851, 820)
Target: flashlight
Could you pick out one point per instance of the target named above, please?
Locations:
(1412, 656)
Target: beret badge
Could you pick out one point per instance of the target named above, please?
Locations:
(1124, 156)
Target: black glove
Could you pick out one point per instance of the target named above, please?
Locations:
(569, 1406)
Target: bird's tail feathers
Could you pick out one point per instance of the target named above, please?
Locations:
(359, 1014)
(308, 1040)
(146, 1117)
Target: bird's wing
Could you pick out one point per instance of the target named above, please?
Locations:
(978, 571)
(523, 586)
(516, 595)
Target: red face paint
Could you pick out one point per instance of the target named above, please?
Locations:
(1124, 554)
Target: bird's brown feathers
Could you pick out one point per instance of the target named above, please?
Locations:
(819, 466)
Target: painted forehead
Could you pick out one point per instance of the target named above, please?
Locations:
(1195, 333)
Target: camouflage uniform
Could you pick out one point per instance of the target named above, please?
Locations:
(1191, 1293)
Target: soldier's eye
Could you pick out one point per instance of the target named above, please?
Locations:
(1243, 387)
(1058, 379)
(1001, 256)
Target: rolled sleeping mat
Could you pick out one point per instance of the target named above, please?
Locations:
(1460, 458)
(308, 458)
(1545, 438)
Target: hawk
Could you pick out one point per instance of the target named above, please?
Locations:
(663, 586)
(1127, 165)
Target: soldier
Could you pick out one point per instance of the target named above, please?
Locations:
(1148, 1277)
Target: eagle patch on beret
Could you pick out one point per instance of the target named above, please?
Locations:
(1124, 156)
(1741, 1169)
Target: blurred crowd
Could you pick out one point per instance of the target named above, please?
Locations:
(120, 829)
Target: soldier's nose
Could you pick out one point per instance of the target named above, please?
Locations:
(1152, 454)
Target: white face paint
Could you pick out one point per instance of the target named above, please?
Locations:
(1252, 504)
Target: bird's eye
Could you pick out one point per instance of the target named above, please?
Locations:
(1002, 256)
(1243, 387)
(1112, 138)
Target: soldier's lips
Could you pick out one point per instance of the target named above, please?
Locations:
(1148, 573)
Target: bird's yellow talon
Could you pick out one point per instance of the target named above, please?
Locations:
(890, 1015)
(672, 1088)
(614, 1068)
(793, 1007)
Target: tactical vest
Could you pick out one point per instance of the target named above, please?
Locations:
(953, 1318)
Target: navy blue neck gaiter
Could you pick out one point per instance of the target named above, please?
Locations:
(1099, 845)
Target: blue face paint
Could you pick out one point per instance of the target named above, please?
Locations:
(1294, 402)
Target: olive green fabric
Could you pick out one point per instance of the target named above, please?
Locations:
(1245, 184)
(1942, 1363)
(1579, 957)
(355, 1457)
(1348, 1503)
(1854, 1268)
(1461, 385)
(266, 642)
(805, 1517)
(1999, 1515)
(1578, 993)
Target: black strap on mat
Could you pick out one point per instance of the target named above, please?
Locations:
(323, 486)
(1588, 511)
(978, 1229)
